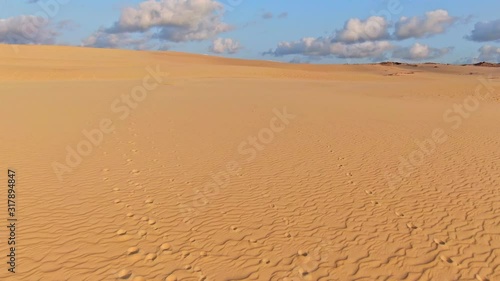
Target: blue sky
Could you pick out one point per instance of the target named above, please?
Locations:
(336, 31)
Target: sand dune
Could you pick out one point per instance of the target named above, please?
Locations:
(170, 166)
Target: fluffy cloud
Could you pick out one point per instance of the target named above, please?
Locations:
(178, 20)
(489, 53)
(356, 30)
(420, 52)
(434, 22)
(27, 29)
(225, 45)
(168, 20)
(325, 47)
(485, 31)
(358, 39)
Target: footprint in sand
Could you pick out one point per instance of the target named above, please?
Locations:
(399, 214)
(265, 261)
(411, 226)
(375, 203)
(150, 257)
(480, 278)
(185, 254)
(132, 251)
(124, 274)
(439, 242)
(171, 278)
(369, 192)
(165, 247)
(141, 233)
(446, 259)
(303, 272)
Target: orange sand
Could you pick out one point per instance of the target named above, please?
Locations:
(170, 166)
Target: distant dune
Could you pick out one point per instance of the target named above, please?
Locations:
(136, 165)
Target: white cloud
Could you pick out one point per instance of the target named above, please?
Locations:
(489, 53)
(420, 52)
(434, 22)
(27, 29)
(485, 31)
(358, 39)
(177, 20)
(325, 47)
(356, 30)
(162, 20)
(225, 45)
